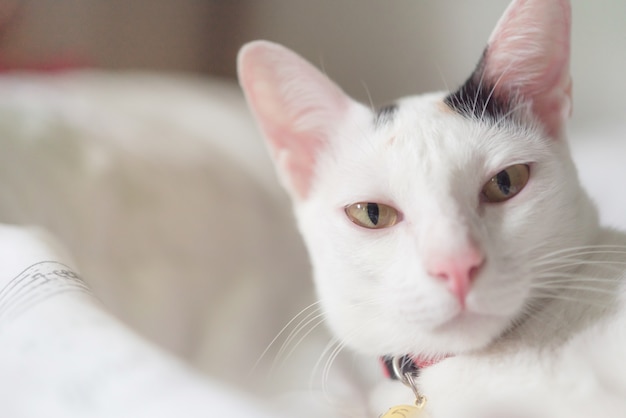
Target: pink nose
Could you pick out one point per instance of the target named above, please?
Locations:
(458, 270)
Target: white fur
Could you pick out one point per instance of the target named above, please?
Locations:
(544, 321)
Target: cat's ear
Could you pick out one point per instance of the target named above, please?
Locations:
(296, 107)
(527, 57)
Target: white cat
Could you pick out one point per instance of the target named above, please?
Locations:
(452, 225)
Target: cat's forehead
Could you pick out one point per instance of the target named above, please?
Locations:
(420, 144)
(426, 130)
(426, 124)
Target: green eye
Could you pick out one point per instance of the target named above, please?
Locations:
(372, 215)
(506, 184)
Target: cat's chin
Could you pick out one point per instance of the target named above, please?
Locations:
(469, 331)
(464, 333)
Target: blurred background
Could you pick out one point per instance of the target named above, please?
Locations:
(384, 49)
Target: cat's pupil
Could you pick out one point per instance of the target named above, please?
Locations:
(504, 182)
(373, 212)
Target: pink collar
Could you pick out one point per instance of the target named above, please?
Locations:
(408, 364)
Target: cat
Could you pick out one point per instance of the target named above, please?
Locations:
(451, 227)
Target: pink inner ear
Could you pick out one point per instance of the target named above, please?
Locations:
(528, 54)
(296, 159)
(297, 108)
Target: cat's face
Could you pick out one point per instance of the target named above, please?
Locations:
(380, 287)
(427, 222)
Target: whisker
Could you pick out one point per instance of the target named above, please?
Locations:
(558, 277)
(557, 296)
(327, 367)
(281, 332)
(579, 256)
(330, 347)
(443, 77)
(369, 96)
(603, 247)
(607, 264)
(504, 291)
(304, 322)
(477, 93)
(589, 289)
(320, 320)
(333, 352)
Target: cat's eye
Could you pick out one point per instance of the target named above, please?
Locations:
(372, 215)
(506, 184)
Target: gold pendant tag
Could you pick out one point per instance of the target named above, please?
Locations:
(405, 411)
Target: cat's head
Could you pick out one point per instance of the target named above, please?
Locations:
(427, 220)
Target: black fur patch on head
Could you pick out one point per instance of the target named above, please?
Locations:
(385, 114)
(478, 99)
